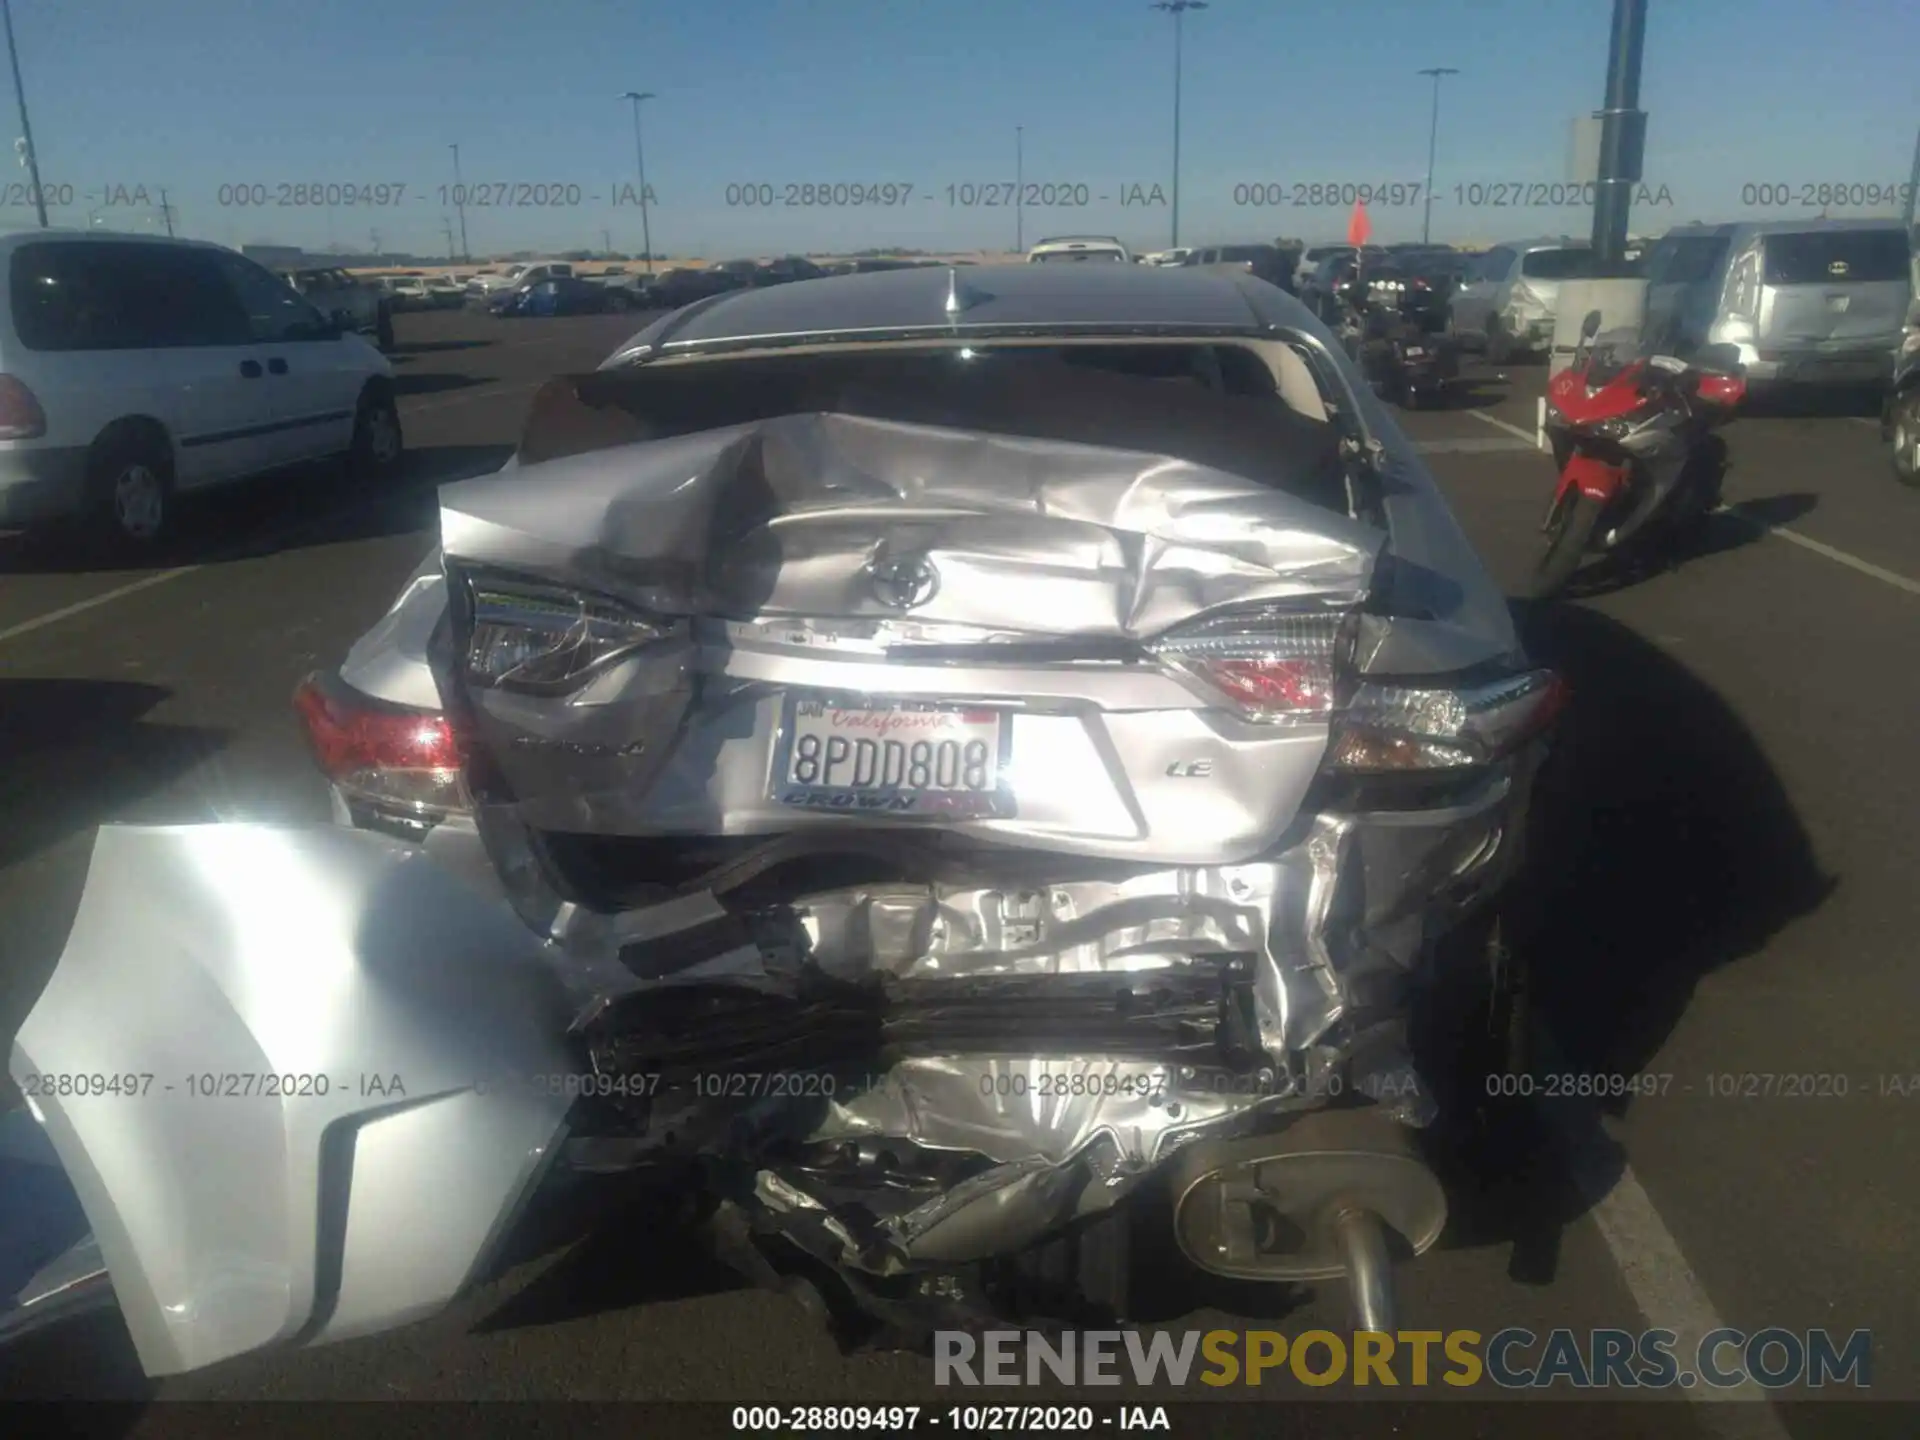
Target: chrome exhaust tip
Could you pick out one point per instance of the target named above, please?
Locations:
(1333, 1196)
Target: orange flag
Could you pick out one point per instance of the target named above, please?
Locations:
(1358, 226)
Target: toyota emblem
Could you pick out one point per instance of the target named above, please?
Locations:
(901, 583)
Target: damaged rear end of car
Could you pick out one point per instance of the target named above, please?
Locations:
(977, 790)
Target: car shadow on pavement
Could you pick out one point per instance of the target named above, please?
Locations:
(1662, 847)
(321, 504)
(75, 751)
(1808, 402)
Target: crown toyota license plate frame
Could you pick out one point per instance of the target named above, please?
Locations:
(894, 759)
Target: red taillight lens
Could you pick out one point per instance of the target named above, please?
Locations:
(1272, 685)
(1722, 389)
(387, 755)
(1276, 665)
(21, 417)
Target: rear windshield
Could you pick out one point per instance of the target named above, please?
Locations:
(1321, 252)
(1689, 259)
(1212, 405)
(1833, 257)
(1569, 264)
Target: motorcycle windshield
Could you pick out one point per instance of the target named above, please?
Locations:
(984, 548)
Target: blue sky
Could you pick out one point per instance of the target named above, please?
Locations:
(200, 94)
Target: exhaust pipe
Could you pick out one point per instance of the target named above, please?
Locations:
(1335, 1194)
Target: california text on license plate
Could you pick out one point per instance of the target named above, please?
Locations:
(892, 759)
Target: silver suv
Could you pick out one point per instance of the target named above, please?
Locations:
(1806, 301)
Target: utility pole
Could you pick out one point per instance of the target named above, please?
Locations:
(640, 162)
(460, 203)
(1623, 138)
(166, 211)
(1433, 142)
(26, 128)
(1177, 9)
(447, 225)
(374, 235)
(1019, 189)
(606, 243)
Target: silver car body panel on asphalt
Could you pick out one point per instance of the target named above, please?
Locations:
(1133, 831)
(311, 1018)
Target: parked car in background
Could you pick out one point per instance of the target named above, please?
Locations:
(786, 270)
(671, 289)
(1417, 282)
(489, 283)
(1176, 256)
(1263, 262)
(1311, 259)
(563, 295)
(1320, 292)
(1505, 302)
(1098, 248)
(357, 305)
(407, 292)
(1900, 417)
(445, 293)
(1804, 301)
(135, 369)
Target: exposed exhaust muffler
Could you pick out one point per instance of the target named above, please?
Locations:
(1335, 1194)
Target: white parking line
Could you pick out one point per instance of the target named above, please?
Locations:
(94, 602)
(1472, 445)
(1806, 542)
(1499, 424)
(1669, 1295)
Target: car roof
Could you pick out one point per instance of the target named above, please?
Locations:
(1782, 227)
(13, 239)
(1544, 242)
(1145, 298)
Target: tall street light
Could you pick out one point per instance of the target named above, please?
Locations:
(460, 203)
(1019, 188)
(1177, 9)
(1433, 141)
(640, 160)
(26, 130)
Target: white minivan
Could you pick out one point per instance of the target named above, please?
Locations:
(134, 368)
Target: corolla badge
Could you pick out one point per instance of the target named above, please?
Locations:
(902, 582)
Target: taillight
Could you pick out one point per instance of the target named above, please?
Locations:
(21, 417)
(1398, 728)
(1276, 665)
(1722, 389)
(386, 755)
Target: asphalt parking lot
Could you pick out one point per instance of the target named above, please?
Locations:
(1734, 825)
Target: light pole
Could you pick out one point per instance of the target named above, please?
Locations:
(1623, 139)
(1019, 189)
(1177, 9)
(460, 204)
(1433, 142)
(26, 130)
(640, 162)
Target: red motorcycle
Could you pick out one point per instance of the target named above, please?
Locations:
(1632, 434)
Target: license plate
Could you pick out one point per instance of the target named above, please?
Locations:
(893, 759)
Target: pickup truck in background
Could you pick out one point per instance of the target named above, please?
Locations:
(356, 304)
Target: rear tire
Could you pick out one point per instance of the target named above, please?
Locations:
(1571, 530)
(1906, 438)
(379, 444)
(130, 493)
